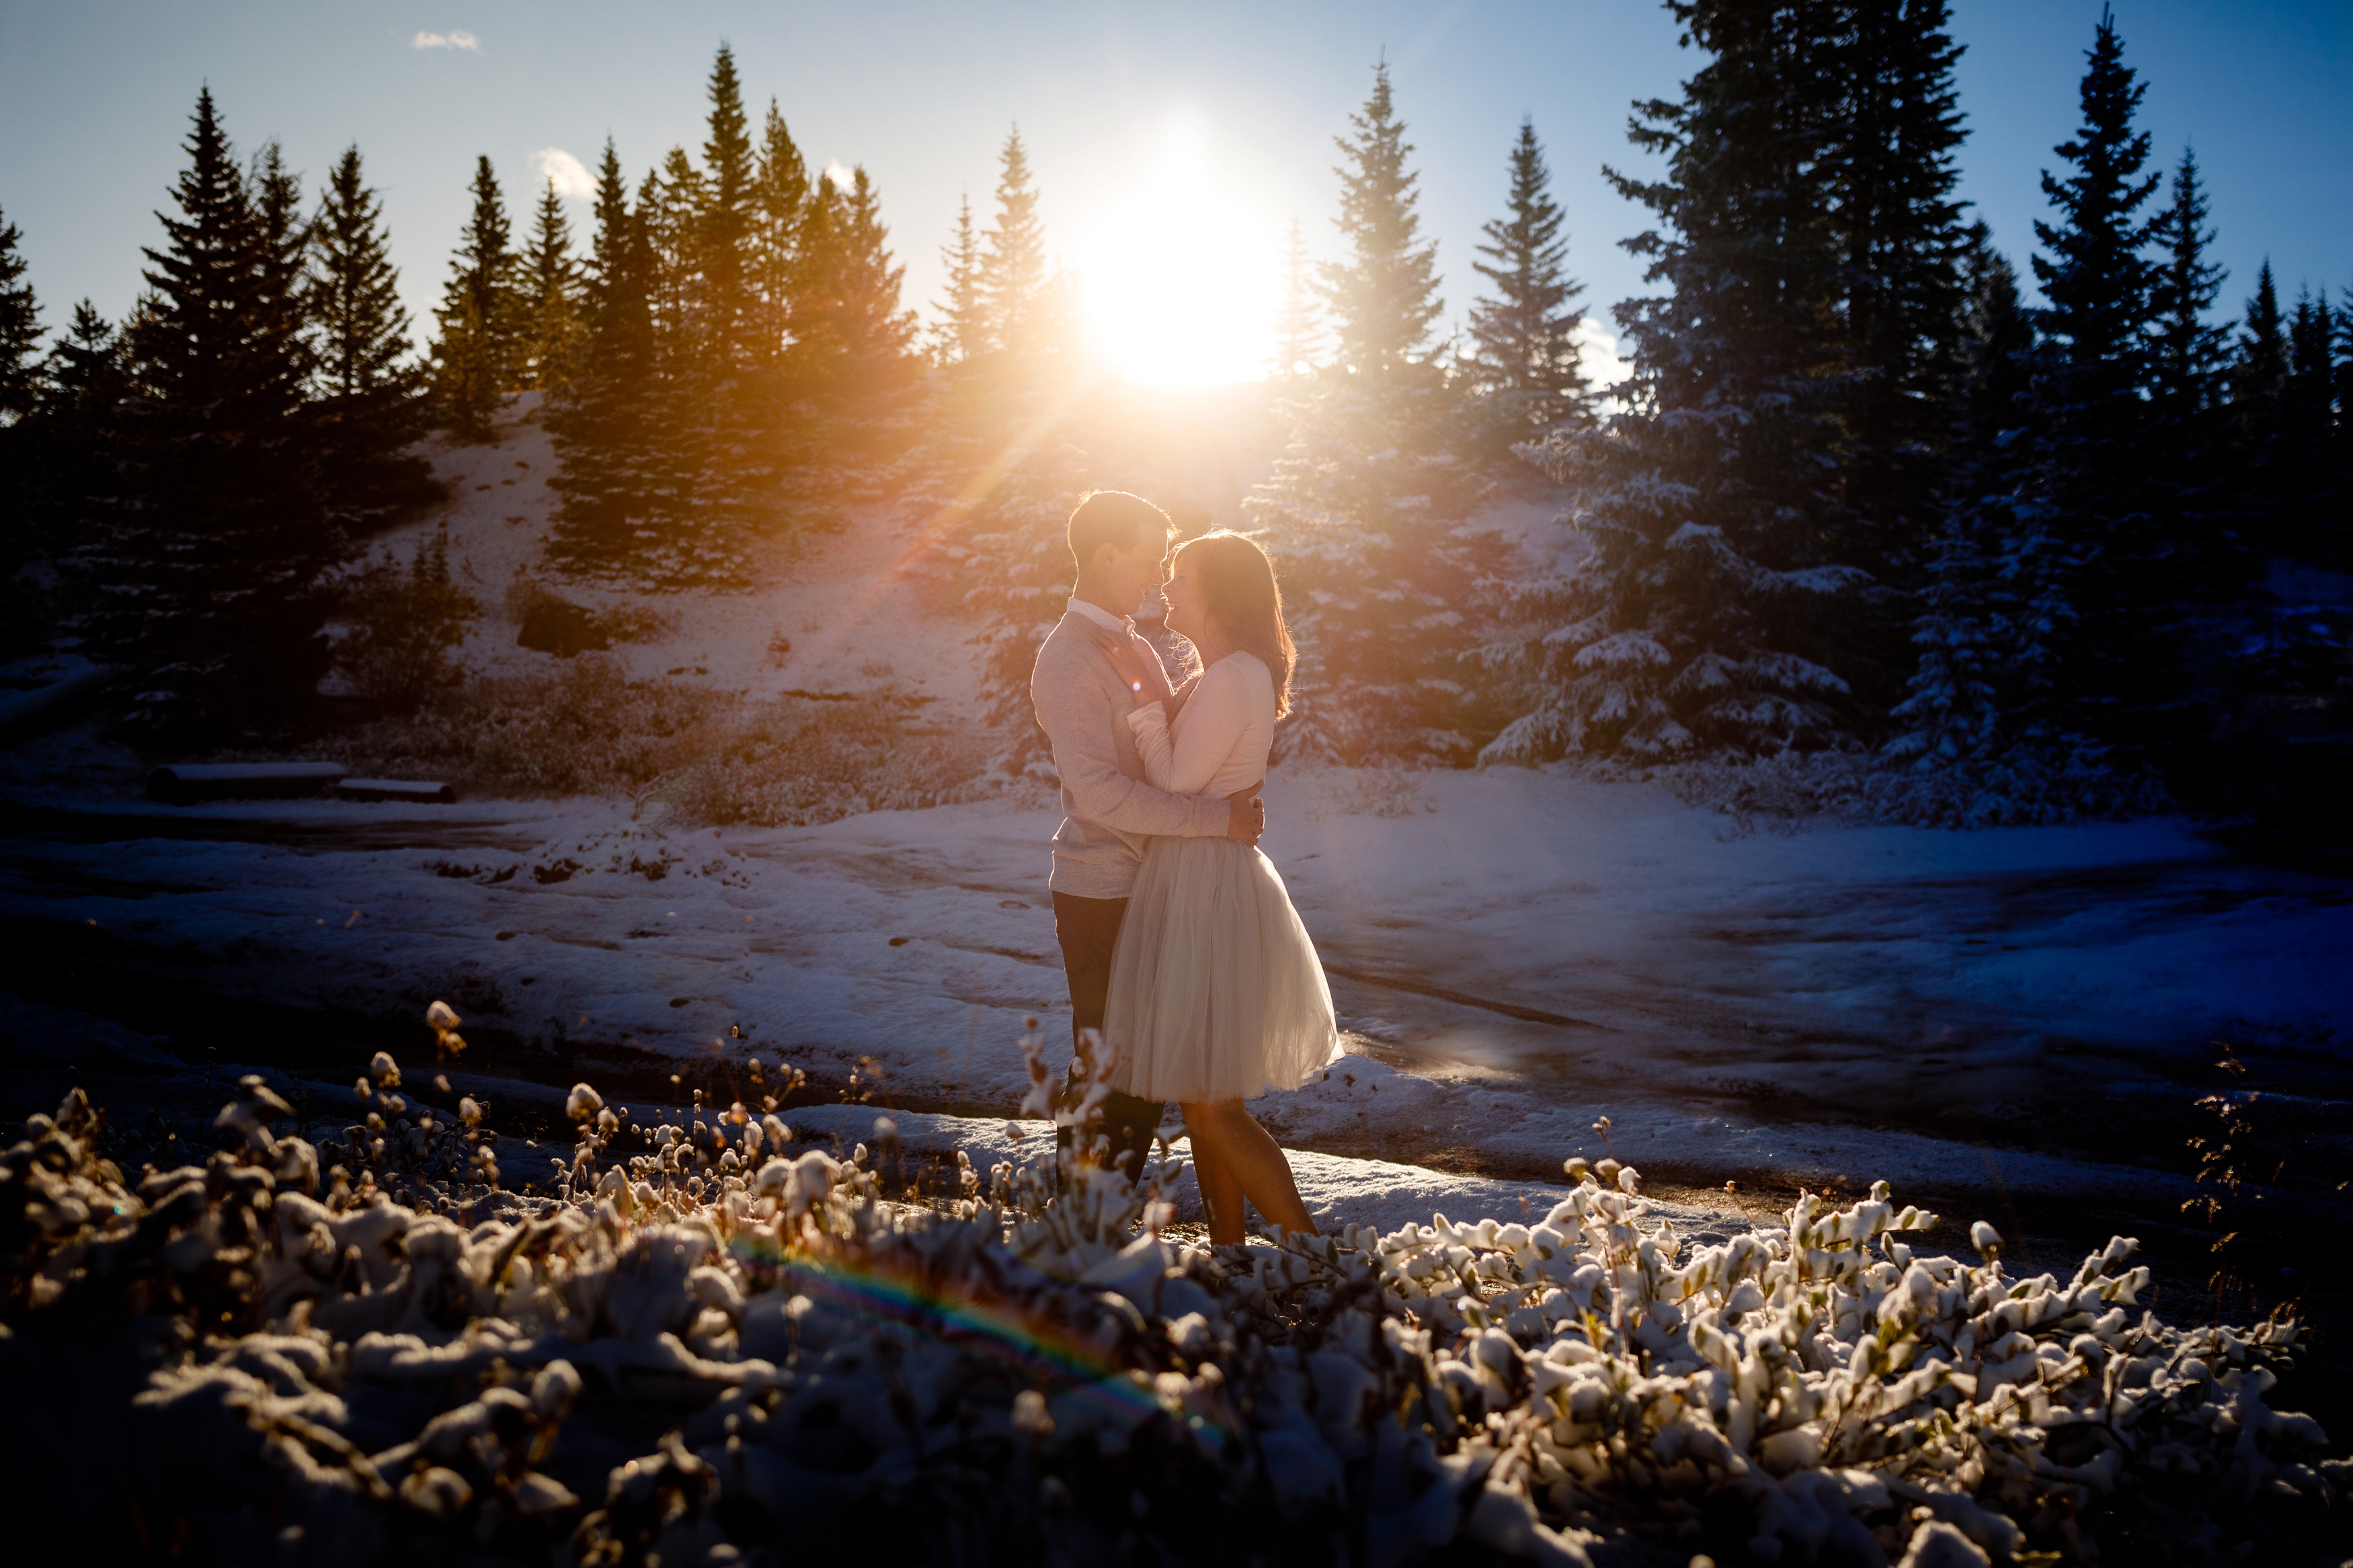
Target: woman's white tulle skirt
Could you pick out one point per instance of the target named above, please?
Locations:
(1216, 992)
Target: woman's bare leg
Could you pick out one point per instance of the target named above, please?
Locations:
(1251, 1159)
(1221, 1195)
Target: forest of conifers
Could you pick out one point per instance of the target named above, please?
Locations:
(1861, 497)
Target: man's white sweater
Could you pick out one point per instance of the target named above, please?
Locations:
(1109, 812)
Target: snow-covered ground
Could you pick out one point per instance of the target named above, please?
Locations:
(1770, 1003)
(1515, 954)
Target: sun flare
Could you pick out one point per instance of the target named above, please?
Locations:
(1181, 277)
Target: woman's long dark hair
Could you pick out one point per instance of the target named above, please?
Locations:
(1238, 580)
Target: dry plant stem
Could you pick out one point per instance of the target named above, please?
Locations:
(1227, 1136)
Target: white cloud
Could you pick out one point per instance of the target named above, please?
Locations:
(570, 175)
(841, 177)
(458, 39)
(1596, 350)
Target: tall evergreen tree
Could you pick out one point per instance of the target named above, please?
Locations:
(21, 391)
(1365, 509)
(1969, 616)
(605, 420)
(20, 329)
(1298, 325)
(780, 202)
(2307, 429)
(2111, 527)
(371, 398)
(1713, 608)
(1383, 294)
(207, 579)
(1013, 275)
(480, 316)
(1889, 165)
(727, 220)
(2187, 355)
(2189, 463)
(2260, 368)
(856, 335)
(2096, 275)
(548, 277)
(961, 335)
(1524, 352)
(65, 450)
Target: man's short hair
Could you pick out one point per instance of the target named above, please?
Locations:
(1117, 519)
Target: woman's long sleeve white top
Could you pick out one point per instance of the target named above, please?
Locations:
(1221, 738)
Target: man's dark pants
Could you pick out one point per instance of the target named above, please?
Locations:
(1088, 930)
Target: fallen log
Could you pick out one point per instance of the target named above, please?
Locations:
(181, 783)
(31, 712)
(395, 789)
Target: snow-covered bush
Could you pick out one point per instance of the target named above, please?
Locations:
(705, 1345)
(2023, 787)
(718, 756)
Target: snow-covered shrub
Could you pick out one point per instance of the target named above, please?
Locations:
(798, 760)
(717, 756)
(707, 1346)
(405, 625)
(2023, 787)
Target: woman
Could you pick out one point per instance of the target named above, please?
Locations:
(1216, 992)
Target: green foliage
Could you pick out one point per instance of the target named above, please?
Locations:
(1383, 294)
(550, 284)
(201, 569)
(20, 330)
(480, 317)
(1524, 352)
(1385, 589)
(370, 404)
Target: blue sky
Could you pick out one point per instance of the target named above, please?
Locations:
(94, 98)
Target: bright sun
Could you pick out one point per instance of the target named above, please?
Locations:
(1181, 279)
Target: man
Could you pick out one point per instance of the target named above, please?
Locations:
(1119, 544)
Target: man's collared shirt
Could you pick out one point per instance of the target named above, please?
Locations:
(1101, 616)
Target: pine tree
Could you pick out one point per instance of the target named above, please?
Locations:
(1713, 610)
(1384, 294)
(1298, 325)
(370, 398)
(1012, 276)
(474, 358)
(2096, 277)
(605, 420)
(2188, 356)
(549, 282)
(1524, 350)
(855, 339)
(283, 338)
(2259, 372)
(961, 336)
(20, 393)
(1889, 165)
(2311, 503)
(20, 330)
(726, 220)
(62, 455)
(2195, 493)
(1365, 511)
(2113, 574)
(1965, 633)
(207, 575)
(780, 200)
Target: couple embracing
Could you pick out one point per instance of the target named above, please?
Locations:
(1179, 937)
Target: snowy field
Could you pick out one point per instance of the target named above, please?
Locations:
(1515, 954)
